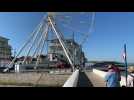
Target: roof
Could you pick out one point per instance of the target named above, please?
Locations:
(67, 40)
(3, 38)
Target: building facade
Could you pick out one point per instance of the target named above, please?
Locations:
(5, 51)
(56, 52)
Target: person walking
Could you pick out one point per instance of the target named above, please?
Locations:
(117, 70)
(130, 78)
(111, 77)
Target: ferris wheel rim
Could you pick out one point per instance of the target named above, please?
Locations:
(85, 34)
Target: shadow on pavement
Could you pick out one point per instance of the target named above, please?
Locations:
(84, 81)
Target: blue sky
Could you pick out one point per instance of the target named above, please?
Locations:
(111, 31)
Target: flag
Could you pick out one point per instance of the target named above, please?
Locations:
(124, 53)
(125, 61)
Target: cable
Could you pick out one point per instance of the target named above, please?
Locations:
(38, 44)
(62, 39)
(61, 42)
(90, 29)
(78, 31)
(24, 45)
(37, 64)
(45, 35)
(64, 44)
(33, 42)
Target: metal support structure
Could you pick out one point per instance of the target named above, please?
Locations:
(73, 49)
(38, 44)
(64, 44)
(37, 62)
(61, 42)
(43, 27)
(37, 47)
(90, 29)
(45, 37)
(24, 45)
(125, 62)
(32, 44)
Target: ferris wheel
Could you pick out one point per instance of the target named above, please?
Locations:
(79, 23)
(62, 24)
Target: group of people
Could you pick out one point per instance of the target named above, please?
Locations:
(113, 76)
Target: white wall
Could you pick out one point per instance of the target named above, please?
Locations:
(102, 74)
(72, 80)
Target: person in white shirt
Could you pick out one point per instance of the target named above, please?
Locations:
(130, 78)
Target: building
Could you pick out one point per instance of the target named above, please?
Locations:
(30, 60)
(56, 52)
(5, 51)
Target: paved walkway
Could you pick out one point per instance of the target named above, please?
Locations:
(96, 80)
(89, 79)
(83, 80)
